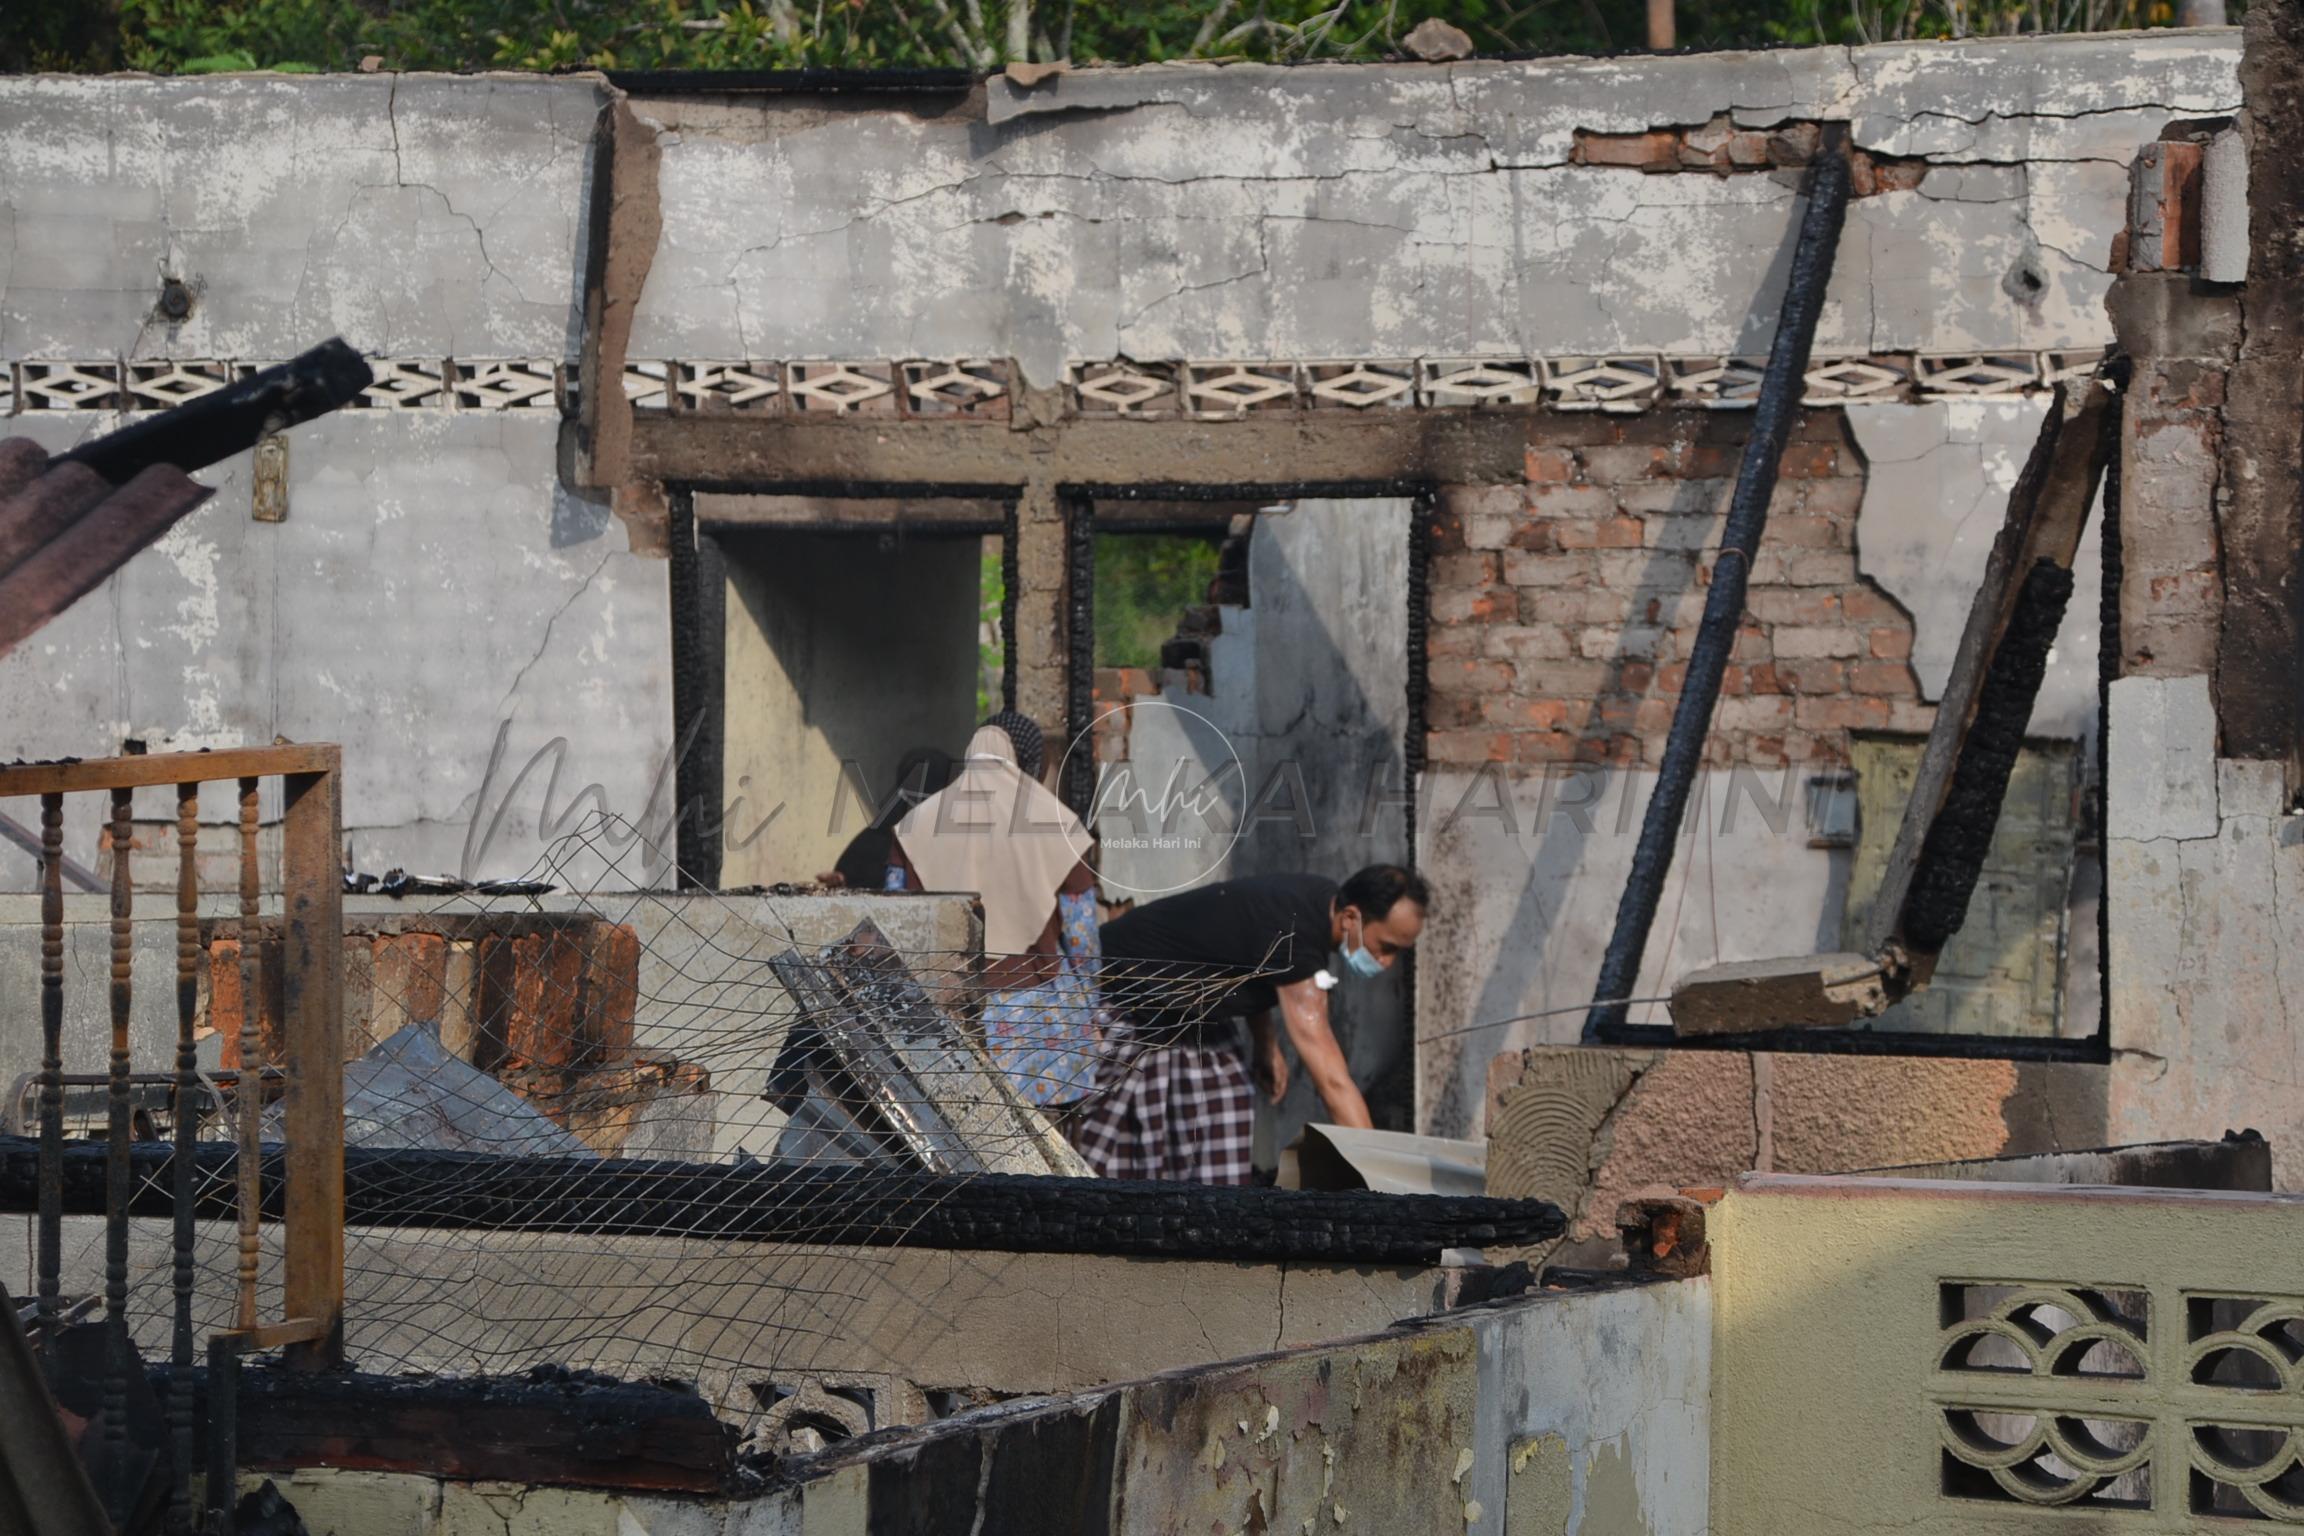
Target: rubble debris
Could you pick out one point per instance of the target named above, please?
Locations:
(876, 1073)
(1436, 41)
(1803, 992)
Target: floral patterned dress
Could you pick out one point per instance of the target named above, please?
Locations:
(1047, 1037)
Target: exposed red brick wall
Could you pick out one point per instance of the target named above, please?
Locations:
(1563, 609)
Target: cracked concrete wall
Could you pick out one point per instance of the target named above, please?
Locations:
(2205, 874)
(409, 214)
(1400, 211)
(434, 599)
(1573, 1414)
(1934, 498)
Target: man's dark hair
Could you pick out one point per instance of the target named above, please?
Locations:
(1374, 890)
(1024, 733)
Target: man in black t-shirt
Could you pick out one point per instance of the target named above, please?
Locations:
(1173, 1097)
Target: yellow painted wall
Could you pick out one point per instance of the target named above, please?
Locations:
(1836, 1300)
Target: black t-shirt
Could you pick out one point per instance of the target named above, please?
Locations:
(1188, 960)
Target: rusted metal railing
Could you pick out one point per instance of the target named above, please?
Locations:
(311, 1328)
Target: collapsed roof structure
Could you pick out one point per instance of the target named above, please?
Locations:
(1526, 569)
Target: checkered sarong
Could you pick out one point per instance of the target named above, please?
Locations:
(1181, 1112)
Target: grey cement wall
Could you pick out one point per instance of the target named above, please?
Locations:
(2205, 876)
(424, 215)
(432, 585)
(1934, 500)
(1201, 211)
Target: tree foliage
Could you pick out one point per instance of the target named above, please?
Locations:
(192, 36)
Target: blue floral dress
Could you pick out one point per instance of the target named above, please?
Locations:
(1047, 1037)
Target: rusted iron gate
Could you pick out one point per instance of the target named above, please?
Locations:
(312, 1325)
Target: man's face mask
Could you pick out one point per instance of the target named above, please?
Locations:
(1357, 959)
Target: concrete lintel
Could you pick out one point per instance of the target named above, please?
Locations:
(1400, 448)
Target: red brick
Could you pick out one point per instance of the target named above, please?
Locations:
(1480, 605)
(1798, 531)
(1523, 569)
(1446, 532)
(1684, 498)
(1527, 642)
(1470, 676)
(1911, 716)
(1570, 501)
(1654, 716)
(1841, 714)
(1632, 461)
(1753, 712)
(1453, 640)
(1762, 677)
(1882, 677)
(1801, 642)
(1658, 150)
(1564, 679)
(1821, 568)
(1610, 533)
(1635, 676)
(1752, 644)
(1892, 644)
(1451, 711)
(1603, 643)
(1792, 605)
(1470, 570)
(1839, 497)
(1665, 531)
(1865, 605)
(1658, 570)
(1493, 530)
(1543, 747)
(1813, 677)
(1528, 714)
(1550, 466)
(1455, 747)
(1589, 605)
(1809, 461)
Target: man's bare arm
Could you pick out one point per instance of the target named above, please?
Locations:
(1304, 1009)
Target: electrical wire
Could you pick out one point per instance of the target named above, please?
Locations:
(1546, 1013)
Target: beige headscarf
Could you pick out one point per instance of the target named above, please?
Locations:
(997, 833)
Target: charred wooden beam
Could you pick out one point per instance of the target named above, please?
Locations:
(551, 1426)
(1963, 777)
(768, 1203)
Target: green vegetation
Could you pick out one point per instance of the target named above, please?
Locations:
(1144, 582)
(195, 36)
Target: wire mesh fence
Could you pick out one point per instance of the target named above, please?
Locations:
(659, 1135)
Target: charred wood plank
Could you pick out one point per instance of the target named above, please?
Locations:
(551, 1426)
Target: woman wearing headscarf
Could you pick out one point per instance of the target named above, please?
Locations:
(997, 831)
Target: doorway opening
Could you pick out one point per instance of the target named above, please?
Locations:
(1243, 669)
